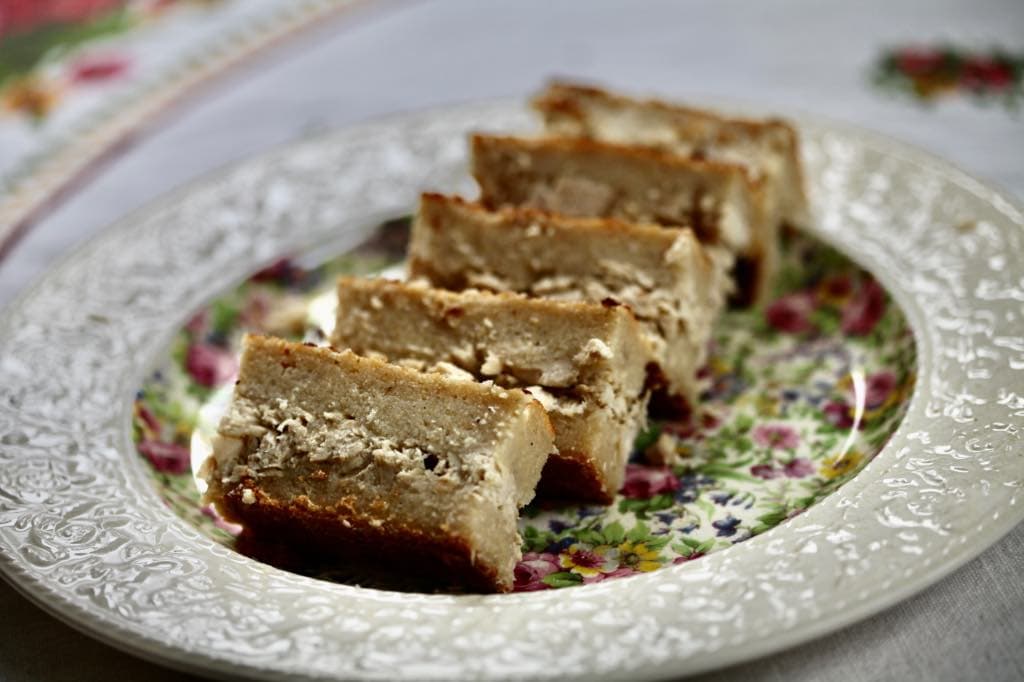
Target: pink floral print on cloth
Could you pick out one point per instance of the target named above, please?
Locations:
(927, 73)
(50, 48)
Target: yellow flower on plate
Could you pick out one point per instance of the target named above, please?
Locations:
(638, 556)
(834, 467)
(767, 405)
(836, 290)
(585, 560)
(897, 396)
(718, 366)
(879, 411)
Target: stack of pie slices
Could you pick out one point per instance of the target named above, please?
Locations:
(539, 325)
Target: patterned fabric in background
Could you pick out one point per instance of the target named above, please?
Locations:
(927, 73)
(44, 49)
(79, 77)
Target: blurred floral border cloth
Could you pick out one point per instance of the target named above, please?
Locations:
(77, 77)
(993, 76)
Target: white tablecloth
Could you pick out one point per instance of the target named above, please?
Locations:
(790, 56)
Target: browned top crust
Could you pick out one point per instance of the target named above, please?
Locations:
(565, 97)
(610, 152)
(525, 217)
(380, 371)
(511, 338)
(582, 177)
(647, 244)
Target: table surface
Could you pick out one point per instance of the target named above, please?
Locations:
(801, 56)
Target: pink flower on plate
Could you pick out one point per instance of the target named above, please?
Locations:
(765, 471)
(865, 309)
(799, 468)
(792, 313)
(169, 458)
(584, 560)
(147, 417)
(837, 413)
(617, 573)
(776, 436)
(531, 570)
(709, 420)
(281, 271)
(210, 365)
(879, 387)
(98, 68)
(643, 482)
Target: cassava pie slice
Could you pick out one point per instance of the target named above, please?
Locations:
(352, 457)
(767, 148)
(586, 363)
(588, 178)
(675, 286)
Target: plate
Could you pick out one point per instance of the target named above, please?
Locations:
(796, 399)
(86, 534)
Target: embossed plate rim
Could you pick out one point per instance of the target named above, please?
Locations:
(662, 644)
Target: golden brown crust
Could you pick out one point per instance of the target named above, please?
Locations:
(565, 97)
(480, 143)
(664, 403)
(573, 476)
(327, 535)
(435, 207)
(351, 362)
(752, 284)
(589, 312)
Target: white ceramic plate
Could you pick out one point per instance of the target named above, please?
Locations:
(83, 533)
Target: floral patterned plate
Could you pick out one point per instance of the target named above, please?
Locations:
(860, 437)
(798, 399)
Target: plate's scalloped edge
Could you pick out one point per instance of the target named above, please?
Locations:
(667, 613)
(124, 639)
(43, 180)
